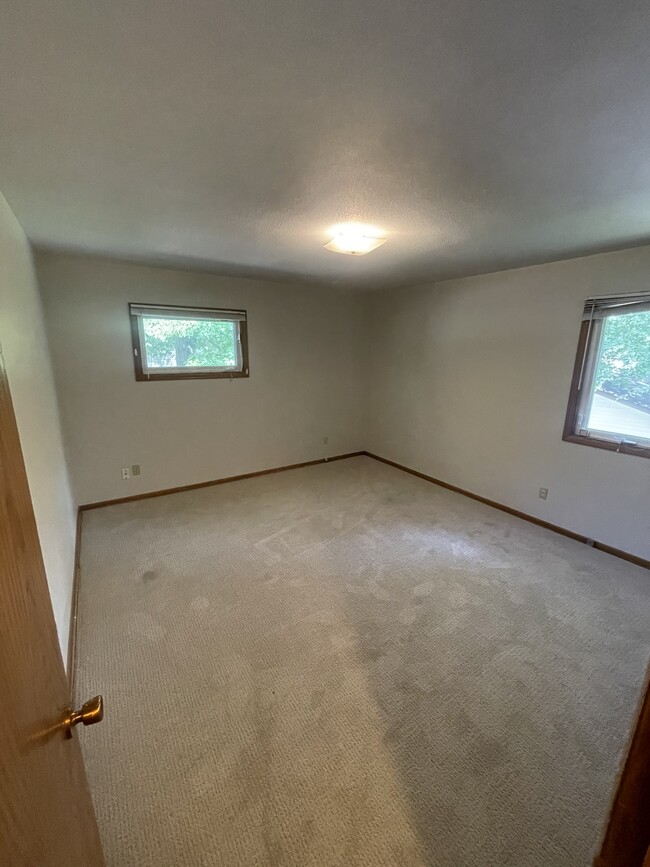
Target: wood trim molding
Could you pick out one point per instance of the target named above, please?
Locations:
(181, 488)
(574, 392)
(627, 838)
(616, 552)
(623, 555)
(608, 445)
(74, 608)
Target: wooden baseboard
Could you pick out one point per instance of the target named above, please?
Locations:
(181, 488)
(623, 555)
(72, 632)
(616, 552)
(627, 820)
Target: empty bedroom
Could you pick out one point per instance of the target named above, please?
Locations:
(324, 434)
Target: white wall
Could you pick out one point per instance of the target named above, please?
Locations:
(465, 380)
(27, 361)
(305, 382)
(469, 381)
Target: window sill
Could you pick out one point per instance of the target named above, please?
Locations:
(608, 445)
(226, 374)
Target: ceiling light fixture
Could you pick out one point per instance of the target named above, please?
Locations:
(354, 240)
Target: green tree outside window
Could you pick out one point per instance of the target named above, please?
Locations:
(190, 342)
(623, 369)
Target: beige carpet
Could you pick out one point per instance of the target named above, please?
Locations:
(346, 665)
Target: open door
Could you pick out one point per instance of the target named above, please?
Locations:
(46, 815)
(627, 839)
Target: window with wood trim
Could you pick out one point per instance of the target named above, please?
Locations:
(188, 342)
(609, 404)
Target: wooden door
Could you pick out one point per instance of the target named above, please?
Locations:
(46, 815)
(627, 839)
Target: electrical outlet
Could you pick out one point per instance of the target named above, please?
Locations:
(325, 440)
(126, 472)
(543, 493)
(135, 470)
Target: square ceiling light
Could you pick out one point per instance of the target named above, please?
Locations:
(353, 241)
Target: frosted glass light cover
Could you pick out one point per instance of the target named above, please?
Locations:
(354, 244)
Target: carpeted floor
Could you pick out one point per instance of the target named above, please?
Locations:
(346, 665)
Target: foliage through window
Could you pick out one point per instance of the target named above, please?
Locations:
(610, 396)
(188, 342)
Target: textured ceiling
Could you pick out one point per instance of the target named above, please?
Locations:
(232, 133)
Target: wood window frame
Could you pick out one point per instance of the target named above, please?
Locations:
(583, 371)
(142, 376)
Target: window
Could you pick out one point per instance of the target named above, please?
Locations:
(609, 405)
(188, 342)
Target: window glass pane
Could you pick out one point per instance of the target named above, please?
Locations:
(189, 342)
(621, 391)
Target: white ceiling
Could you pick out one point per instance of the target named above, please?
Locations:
(230, 134)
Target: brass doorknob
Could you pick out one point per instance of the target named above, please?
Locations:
(91, 712)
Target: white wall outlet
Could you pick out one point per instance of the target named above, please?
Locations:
(543, 493)
(135, 470)
(126, 472)
(325, 440)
